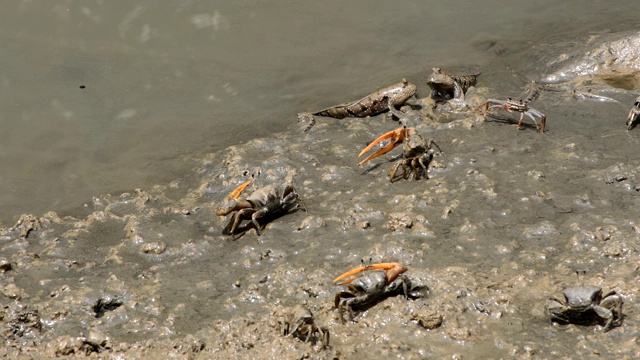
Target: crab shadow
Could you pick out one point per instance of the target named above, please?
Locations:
(375, 166)
(416, 292)
(400, 174)
(503, 119)
(588, 318)
(241, 230)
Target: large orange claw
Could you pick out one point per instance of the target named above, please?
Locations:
(240, 189)
(397, 137)
(393, 270)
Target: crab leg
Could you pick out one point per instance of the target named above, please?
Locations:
(633, 114)
(521, 118)
(393, 270)
(240, 189)
(397, 137)
(543, 119)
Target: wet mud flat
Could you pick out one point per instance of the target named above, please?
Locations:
(505, 220)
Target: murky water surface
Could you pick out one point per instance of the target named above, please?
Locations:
(166, 82)
(182, 101)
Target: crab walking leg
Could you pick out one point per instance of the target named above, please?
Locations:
(257, 215)
(605, 314)
(521, 118)
(414, 170)
(543, 120)
(431, 142)
(424, 166)
(246, 213)
(394, 170)
(393, 270)
(531, 117)
(290, 194)
(532, 114)
(612, 302)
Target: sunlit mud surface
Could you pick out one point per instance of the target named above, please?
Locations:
(506, 219)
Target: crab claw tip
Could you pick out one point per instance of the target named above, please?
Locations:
(397, 137)
(240, 189)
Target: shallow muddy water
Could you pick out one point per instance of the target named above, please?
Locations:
(123, 254)
(165, 83)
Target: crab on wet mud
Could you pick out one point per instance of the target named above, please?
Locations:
(367, 286)
(520, 106)
(416, 152)
(586, 305)
(299, 322)
(267, 201)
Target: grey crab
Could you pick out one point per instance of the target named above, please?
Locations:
(269, 200)
(300, 323)
(364, 291)
(586, 305)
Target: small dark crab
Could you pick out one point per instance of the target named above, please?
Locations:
(520, 106)
(446, 86)
(299, 322)
(634, 114)
(416, 152)
(585, 305)
(269, 200)
(366, 290)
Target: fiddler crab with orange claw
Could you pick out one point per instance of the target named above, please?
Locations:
(269, 200)
(417, 152)
(367, 286)
(520, 106)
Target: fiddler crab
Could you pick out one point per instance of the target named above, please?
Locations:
(269, 200)
(300, 323)
(366, 290)
(520, 106)
(584, 305)
(416, 152)
(634, 114)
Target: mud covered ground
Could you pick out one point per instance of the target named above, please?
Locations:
(506, 220)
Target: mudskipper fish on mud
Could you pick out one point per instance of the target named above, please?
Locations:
(370, 105)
